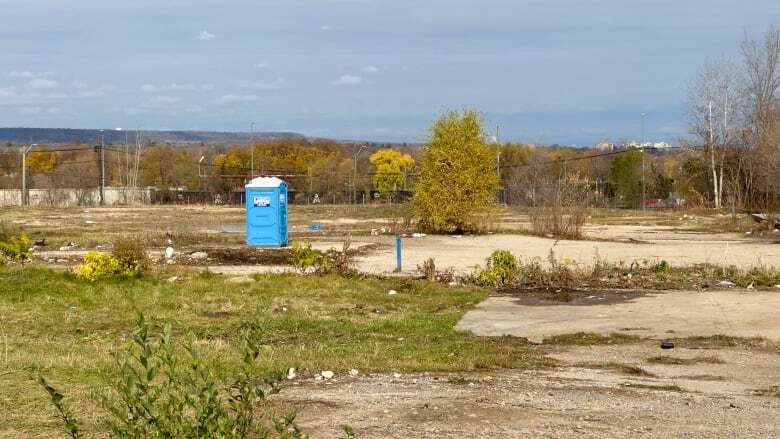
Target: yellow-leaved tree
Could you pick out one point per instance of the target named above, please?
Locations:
(458, 182)
(391, 168)
(42, 161)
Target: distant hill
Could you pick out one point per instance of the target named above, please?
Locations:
(91, 136)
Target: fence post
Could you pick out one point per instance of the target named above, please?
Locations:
(398, 253)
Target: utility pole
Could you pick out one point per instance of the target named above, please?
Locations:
(252, 142)
(498, 157)
(642, 150)
(25, 201)
(102, 169)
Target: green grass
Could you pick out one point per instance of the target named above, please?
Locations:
(53, 323)
(664, 359)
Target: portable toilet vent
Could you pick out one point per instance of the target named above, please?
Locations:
(266, 212)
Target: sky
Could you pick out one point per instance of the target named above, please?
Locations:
(542, 71)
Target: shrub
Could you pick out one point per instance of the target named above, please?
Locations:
(304, 258)
(337, 262)
(502, 270)
(98, 266)
(166, 389)
(333, 261)
(562, 209)
(16, 247)
(131, 256)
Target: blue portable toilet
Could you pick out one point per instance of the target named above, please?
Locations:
(266, 212)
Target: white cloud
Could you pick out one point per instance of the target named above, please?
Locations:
(193, 109)
(262, 65)
(30, 110)
(325, 28)
(370, 69)
(53, 110)
(165, 99)
(7, 92)
(207, 87)
(205, 35)
(234, 98)
(254, 85)
(39, 83)
(27, 74)
(95, 92)
(169, 87)
(186, 87)
(349, 80)
(78, 84)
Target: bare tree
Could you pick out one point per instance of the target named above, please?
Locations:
(762, 60)
(714, 105)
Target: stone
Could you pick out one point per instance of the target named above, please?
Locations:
(291, 374)
(327, 374)
(392, 293)
(169, 252)
(353, 372)
(726, 284)
(199, 256)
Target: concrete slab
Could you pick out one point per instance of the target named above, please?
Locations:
(658, 315)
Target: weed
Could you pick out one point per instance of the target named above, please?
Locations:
(427, 269)
(662, 387)
(64, 410)
(501, 270)
(165, 389)
(626, 369)
(337, 262)
(721, 341)
(131, 256)
(16, 247)
(590, 339)
(770, 391)
(304, 258)
(663, 359)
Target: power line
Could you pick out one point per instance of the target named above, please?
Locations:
(574, 159)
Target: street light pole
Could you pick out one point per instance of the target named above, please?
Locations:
(25, 149)
(102, 169)
(252, 143)
(642, 150)
(354, 175)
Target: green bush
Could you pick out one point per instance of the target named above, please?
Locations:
(502, 270)
(304, 258)
(15, 247)
(131, 255)
(166, 389)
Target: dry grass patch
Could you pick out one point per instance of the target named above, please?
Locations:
(663, 359)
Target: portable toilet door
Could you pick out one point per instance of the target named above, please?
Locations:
(266, 212)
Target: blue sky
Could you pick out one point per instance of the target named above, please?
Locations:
(550, 71)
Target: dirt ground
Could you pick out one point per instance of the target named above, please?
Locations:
(579, 398)
(612, 236)
(654, 315)
(595, 391)
(614, 244)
